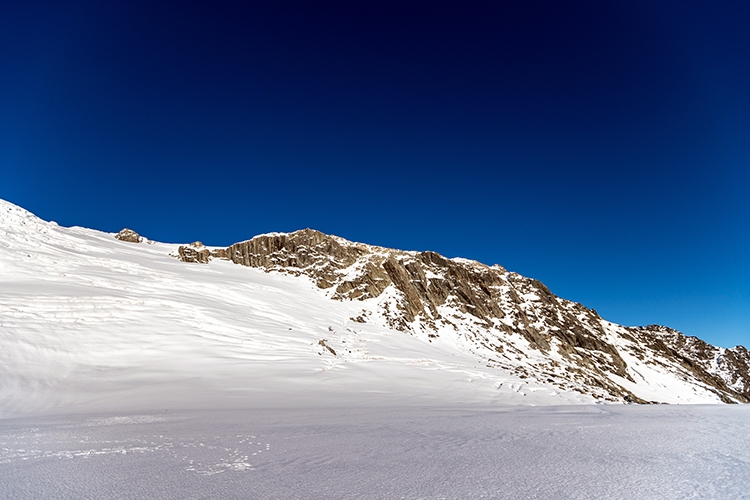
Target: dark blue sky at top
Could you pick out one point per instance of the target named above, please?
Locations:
(602, 148)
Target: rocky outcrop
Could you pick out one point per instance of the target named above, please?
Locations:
(510, 321)
(486, 303)
(316, 254)
(727, 370)
(129, 235)
(197, 252)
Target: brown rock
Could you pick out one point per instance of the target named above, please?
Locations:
(129, 235)
(192, 254)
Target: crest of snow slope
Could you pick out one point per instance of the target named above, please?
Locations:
(90, 323)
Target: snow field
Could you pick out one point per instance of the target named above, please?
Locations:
(581, 452)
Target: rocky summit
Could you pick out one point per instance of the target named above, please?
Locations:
(506, 320)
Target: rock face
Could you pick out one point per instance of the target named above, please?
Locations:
(509, 321)
(197, 252)
(129, 235)
(729, 367)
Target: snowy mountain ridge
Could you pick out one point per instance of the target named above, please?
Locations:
(509, 321)
(91, 322)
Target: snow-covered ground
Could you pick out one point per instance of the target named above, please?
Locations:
(90, 323)
(582, 452)
(125, 373)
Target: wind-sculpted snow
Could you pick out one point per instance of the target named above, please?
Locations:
(442, 452)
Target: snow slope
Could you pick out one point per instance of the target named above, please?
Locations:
(506, 320)
(90, 323)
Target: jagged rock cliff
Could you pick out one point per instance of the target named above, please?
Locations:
(507, 320)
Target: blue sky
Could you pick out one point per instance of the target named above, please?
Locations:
(602, 149)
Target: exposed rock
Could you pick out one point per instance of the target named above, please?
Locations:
(726, 370)
(306, 249)
(514, 322)
(129, 235)
(192, 254)
(196, 252)
(328, 348)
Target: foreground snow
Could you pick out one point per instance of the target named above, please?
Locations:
(616, 452)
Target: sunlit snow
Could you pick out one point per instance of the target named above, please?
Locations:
(125, 373)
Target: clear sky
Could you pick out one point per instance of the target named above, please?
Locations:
(600, 147)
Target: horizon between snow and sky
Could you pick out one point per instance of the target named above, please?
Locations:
(602, 149)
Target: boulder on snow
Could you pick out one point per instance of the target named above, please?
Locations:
(129, 235)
